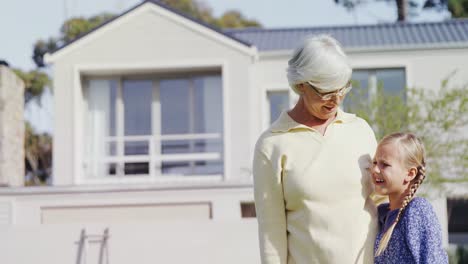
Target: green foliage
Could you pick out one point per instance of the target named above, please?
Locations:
(35, 81)
(199, 10)
(235, 19)
(70, 30)
(38, 155)
(458, 255)
(40, 48)
(462, 254)
(196, 9)
(439, 117)
(75, 27)
(458, 8)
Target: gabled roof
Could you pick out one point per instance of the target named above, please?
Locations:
(164, 6)
(381, 36)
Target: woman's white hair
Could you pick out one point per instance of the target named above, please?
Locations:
(321, 61)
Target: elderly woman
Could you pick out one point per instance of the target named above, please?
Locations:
(310, 168)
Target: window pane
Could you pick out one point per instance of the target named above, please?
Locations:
(137, 148)
(208, 105)
(100, 125)
(208, 167)
(192, 146)
(279, 102)
(192, 168)
(393, 80)
(457, 212)
(176, 168)
(175, 106)
(360, 80)
(248, 209)
(137, 97)
(136, 168)
(458, 215)
(112, 111)
(192, 106)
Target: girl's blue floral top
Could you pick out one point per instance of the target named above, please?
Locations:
(417, 238)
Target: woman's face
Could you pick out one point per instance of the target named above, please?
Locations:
(316, 106)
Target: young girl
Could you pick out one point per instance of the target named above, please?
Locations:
(409, 231)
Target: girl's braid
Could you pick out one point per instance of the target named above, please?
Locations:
(420, 176)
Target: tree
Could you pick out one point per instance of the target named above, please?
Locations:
(38, 147)
(200, 11)
(35, 82)
(70, 30)
(405, 8)
(38, 156)
(235, 19)
(439, 117)
(196, 9)
(458, 8)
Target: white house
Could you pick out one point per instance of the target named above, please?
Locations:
(156, 117)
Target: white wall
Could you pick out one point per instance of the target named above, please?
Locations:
(204, 242)
(146, 224)
(130, 203)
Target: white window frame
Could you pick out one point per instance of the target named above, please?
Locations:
(101, 71)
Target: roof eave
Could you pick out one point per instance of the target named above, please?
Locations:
(368, 49)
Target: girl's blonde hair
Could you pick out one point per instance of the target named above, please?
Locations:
(412, 155)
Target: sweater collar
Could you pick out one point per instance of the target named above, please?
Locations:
(285, 123)
(386, 216)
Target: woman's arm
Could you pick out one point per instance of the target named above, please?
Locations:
(271, 215)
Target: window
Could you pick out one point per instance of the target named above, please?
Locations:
(148, 127)
(457, 212)
(366, 83)
(248, 210)
(278, 102)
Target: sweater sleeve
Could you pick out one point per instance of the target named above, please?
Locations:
(424, 234)
(270, 209)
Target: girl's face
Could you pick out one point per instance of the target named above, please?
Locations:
(389, 174)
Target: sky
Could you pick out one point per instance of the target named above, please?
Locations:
(23, 22)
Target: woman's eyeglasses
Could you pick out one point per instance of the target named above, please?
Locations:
(328, 96)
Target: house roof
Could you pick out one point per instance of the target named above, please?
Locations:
(164, 6)
(380, 36)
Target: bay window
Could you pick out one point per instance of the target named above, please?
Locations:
(154, 126)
